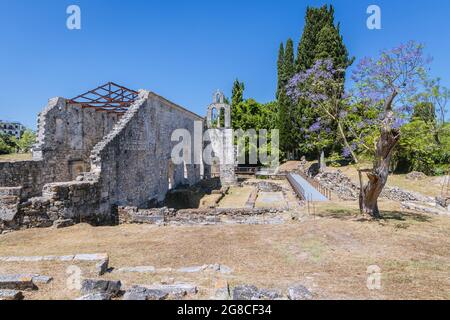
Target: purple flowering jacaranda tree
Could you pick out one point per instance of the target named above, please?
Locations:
(390, 82)
(322, 86)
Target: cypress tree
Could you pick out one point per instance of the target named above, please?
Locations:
(288, 64)
(237, 94)
(330, 45)
(237, 98)
(321, 39)
(285, 106)
(316, 19)
(280, 65)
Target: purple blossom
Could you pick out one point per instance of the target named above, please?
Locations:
(346, 152)
(315, 127)
(400, 69)
(322, 70)
(343, 114)
(398, 123)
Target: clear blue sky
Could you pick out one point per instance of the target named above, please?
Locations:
(183, 50)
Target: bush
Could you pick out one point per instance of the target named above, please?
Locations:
(420, 150)
(26, 141)
(7, 144)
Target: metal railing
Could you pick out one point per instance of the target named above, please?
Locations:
(300, 191)
(297, 187)
(316, 184)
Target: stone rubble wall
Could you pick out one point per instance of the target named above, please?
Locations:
(73, 200)
(66, 135)
(22, 174)
(134, 161)
(423, 208)
(347, 190)
(128, 164)
(169, 216)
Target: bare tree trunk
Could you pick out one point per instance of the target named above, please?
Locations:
(347, 145)
(379, 174)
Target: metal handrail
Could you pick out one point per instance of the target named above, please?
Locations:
(316, 184)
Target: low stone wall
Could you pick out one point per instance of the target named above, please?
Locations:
(24, 174)
(443, 202)
(166, 216)
(347, 190)
(9, 203)
(397, 194)
(77, 201)
(423, 208)
(339, 184)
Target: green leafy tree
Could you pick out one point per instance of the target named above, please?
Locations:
(316, 19)
(321, 40)
(425, 111)
(8, 144)
(418, 149)
(237, 94)
(26, 141)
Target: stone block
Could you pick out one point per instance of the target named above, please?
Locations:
(91, 286)
(40, 279)
(246, 292)
(176, 290)
(10, 295)
(222, 290)
(142, 269)
(102, 266)
(96, 297)
(17, 282)
(142, 293)
(299, 292)
(9, 207)
(191, 269)
(91, 257)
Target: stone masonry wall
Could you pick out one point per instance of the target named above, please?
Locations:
(67, 135)
(24, 174)
(130, 165)
(134, 160)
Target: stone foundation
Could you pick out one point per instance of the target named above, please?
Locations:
(166, 216)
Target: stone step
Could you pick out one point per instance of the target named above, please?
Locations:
(10, 295)
(17, 282)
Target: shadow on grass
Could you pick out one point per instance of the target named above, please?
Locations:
(404, 216)
(353, 214)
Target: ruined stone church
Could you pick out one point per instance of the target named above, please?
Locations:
(106, 148)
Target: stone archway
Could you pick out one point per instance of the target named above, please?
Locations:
(218, 106)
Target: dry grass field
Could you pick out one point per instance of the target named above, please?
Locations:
(328, 252)
(430, 186)
(15, 157)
